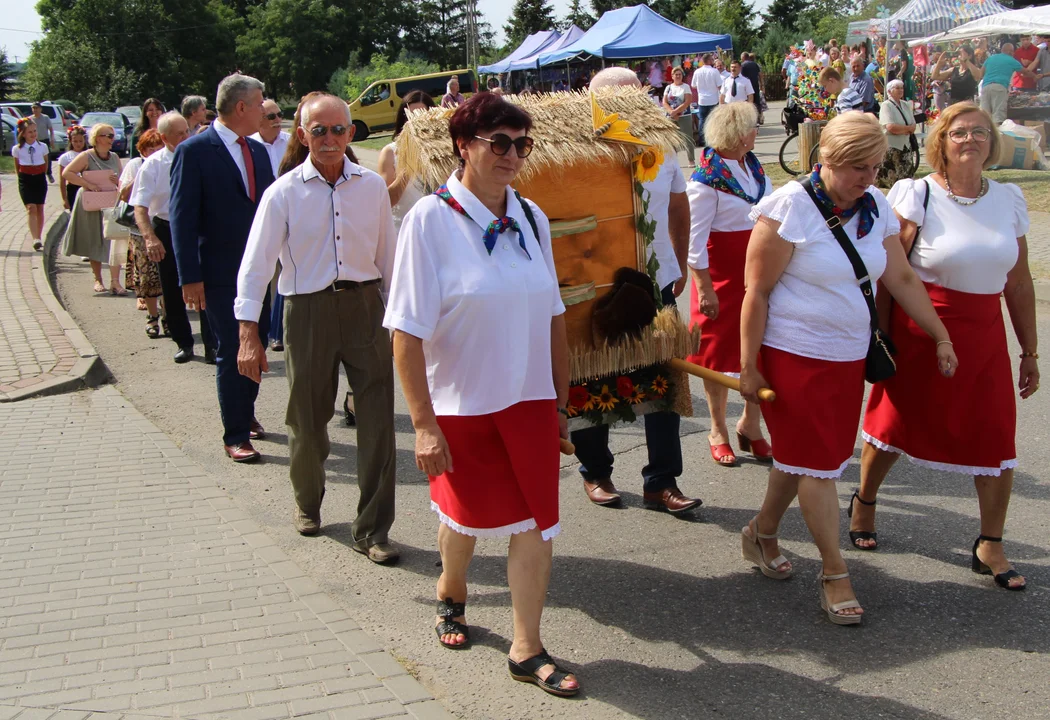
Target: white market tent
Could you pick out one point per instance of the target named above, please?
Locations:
(921, 18)
(1029, 21)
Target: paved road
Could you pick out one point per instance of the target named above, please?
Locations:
(660, 616)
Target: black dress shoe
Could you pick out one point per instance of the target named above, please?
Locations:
(184, 355)
(209, 356)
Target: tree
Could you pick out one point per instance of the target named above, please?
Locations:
(579, 17)
(528, 17)
(600, 7)
(725, 17)
(784, 13)
(7, 72)
(674, 10)
(439, 33)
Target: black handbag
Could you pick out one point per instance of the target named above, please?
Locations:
(879, 364)
(124, 214)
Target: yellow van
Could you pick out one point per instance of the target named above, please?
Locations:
(376, 108)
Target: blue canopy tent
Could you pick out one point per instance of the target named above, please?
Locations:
(532, 61)
(533, 44)
(637, 32)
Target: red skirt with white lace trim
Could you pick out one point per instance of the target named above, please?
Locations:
(966, 423)
(720, 338)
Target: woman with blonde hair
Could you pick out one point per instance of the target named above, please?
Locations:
(84, 234)
(965, 237)
(806, 330)
(728, 181)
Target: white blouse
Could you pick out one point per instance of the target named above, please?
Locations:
(816, 308)
(967, 248)
(30, 153)
(67, 157)
(713, 211)
(412, 194)
(485, 320)
(131, 171)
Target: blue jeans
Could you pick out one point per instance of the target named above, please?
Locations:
(661, 439)
(237, 393)
(277, 319)
(701, 118)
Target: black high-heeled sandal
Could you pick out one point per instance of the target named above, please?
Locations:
(1002, 579)
(348, 415)
(855, 535)
(525, 671)
(152, 327)
(447, 609)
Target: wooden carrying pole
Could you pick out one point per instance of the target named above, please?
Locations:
(730, 382)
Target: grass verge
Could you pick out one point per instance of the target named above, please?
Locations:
(374, 143)
(7, 164)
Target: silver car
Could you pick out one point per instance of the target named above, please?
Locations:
(8, 133)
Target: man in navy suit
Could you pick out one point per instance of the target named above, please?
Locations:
(217, 180)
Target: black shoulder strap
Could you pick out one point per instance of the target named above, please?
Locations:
(527, 209)
(925, 205)
(835, 226)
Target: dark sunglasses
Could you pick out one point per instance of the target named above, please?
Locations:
(106, 135)
(322, 130)
(501, 144)
(272, 116)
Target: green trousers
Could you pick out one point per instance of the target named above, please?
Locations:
(321, 332)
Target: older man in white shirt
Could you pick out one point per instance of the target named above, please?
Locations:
(150, 197)
(707, 82)
(329, 222)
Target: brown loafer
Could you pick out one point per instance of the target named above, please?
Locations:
(256, 431)
(380, 553)
(308, 524)
(242, 452)
(601, 492)
(670, 499)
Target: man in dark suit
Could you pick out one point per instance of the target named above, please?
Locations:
(217, 179)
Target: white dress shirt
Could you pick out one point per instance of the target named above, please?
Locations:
(712, 210)
(152, 188)
(275, 149)
(320, 233)
(485, 320)
(229, 138)
(743, 89)
(669, 179)
(708, 83)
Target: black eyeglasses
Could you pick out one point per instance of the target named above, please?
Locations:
(322, 130)
(501, 144)
(272, 116)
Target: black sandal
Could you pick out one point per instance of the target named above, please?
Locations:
(1002, 579)
(153, 326)
(348, 415)
(448, 610)
(525, 671)
(164, 327)
(855, 535)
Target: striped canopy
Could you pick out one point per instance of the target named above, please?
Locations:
(920, 18)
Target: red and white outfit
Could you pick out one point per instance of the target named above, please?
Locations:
(718, 236)
(485, 322)
(965, 423)
(817, 334)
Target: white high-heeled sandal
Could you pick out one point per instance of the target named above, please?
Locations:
(752, 552)
(833, 610)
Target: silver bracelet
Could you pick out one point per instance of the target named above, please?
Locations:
(945, 342)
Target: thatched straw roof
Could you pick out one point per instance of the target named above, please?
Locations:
(562, 128)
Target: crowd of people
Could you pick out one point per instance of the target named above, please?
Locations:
(457, 290)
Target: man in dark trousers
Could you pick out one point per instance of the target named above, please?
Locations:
(217, 179)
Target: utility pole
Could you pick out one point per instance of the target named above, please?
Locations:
(472, 33)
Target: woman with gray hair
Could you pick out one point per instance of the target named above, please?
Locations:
(84, 233)
(728, 181)
(898, 122)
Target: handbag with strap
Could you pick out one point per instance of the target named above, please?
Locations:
(124, 214)
(879, 364)
(111, 228)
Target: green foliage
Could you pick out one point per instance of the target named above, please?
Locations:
(577, 16)
(357, 78)
(600, 7)
(785, 13)
(528, 17)
(438, 32)
(772, 46)
(6, 71)
(725, 17)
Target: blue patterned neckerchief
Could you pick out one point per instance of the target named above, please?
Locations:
(865, 206)
(494, 230)
(713, 172)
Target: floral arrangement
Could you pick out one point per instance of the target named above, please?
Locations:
(810, 94)
(620, 396)
(646, 167)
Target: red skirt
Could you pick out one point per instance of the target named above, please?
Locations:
(720, 338)
(813, 422)
(965, 423)
(504, 477)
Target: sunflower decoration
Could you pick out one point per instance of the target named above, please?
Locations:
(605, 400)
(660, 386)
(647, 164)
(635, 397)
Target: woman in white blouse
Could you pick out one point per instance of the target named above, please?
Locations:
(728, 181)
(405, 191)
(479, 342)
(676, 101)
(965, 235)
(806, 329)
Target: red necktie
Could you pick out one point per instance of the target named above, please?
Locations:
(249, 167)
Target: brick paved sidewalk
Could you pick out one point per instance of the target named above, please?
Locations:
(130, 584)
(40, 347)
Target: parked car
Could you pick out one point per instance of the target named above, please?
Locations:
(10, 110)
(122, 128)
(376, 108)
(58, 122)
(8, 133)
(132, 112)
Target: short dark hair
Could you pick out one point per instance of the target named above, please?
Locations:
(484, 112)
(416, 96)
